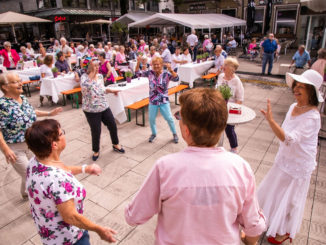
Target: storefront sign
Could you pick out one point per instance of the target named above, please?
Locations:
(59, 18)
(196, 7)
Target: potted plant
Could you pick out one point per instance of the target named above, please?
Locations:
(128, 75)
(199, 57)
(25, 57)
(20, 65)
(226, 92)
(140, 54)
(55, 72)
(38, 62)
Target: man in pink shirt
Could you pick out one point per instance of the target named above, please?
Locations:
(203, 194)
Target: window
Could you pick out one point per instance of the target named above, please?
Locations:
(101, 3)
(259, 20)
(47, 3)
(74, 3)
(230, 12)
(285, 21)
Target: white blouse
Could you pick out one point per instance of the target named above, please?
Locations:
(297, 154)
(236, 87)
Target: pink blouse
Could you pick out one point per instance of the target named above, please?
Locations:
(120, 58)
(201, 196)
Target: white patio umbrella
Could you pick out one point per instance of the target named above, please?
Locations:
(100, 22)
(12, 18)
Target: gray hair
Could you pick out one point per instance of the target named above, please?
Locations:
(302, 46)
(321, 53)
(4, 79)
(28, 44)
(63, 39)
(22, 48)
(6, 44)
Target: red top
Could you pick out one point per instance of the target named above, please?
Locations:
(6, 62)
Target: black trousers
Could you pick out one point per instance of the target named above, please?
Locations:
(94, 120)
(232, 136)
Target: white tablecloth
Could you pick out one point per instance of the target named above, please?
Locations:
(28, 72)
(246, 115)
(190, 72)
(132, 65)
(133, 92)
(53, 86)
(2, 68)
(29, 64)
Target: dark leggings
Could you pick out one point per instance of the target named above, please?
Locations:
(94, 120)
(232, 136)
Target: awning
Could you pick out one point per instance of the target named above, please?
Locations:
(17, 18)
(133, 17)
(194, 21)
(55, 12)
(99, 21)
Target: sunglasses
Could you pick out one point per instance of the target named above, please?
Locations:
(177, 115)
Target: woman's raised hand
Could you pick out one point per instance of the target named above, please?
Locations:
(268, 113)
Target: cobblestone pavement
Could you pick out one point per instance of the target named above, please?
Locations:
(122, 175)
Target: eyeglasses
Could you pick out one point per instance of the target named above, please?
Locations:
(177, 115)
(63, 132)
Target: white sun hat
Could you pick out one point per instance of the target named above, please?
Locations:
(311, 77)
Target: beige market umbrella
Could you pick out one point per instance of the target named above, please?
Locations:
(12, 18)
(100, 22)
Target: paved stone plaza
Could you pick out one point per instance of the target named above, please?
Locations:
(108, 194)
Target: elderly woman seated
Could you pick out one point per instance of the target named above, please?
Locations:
(202, 194)
(23, 54)
(62, 64)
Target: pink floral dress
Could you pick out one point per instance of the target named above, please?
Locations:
(47, 187)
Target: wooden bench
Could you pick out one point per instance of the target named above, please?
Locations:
(74, 96)
(26, 87)
(118, 78)
(210, 77)
(140, 105)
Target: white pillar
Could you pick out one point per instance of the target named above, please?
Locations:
(221, 35)
(308, 31)
(13, 32)
(324, 39)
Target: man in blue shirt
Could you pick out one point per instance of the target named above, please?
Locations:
(301, 58)
(269, 47)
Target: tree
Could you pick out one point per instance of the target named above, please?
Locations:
(120, 29)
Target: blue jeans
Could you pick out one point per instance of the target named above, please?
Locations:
(84, 240)
(268, 58)
(166, 113)
(232, 136)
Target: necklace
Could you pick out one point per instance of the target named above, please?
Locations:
(301, 107)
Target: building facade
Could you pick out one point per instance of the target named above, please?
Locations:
(65, 14)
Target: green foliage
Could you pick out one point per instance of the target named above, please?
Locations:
(119, 28)
(225, 91)
(128, 74)
(54, 69)
(199, 56)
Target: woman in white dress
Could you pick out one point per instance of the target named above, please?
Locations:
(282, 193)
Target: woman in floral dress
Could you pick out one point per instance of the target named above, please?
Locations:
(56, 197)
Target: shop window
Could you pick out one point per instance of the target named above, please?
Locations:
(101, 3)
(285, 23)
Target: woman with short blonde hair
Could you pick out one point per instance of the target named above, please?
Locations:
(158, 93)
(230, 79)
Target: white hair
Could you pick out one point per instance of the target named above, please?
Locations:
(6, 43)
(63, 39)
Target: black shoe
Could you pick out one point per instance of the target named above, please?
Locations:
(151, 138)
(269, 73)
(95, 157)
(175, 138)
(121, 150)
(262, 74)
